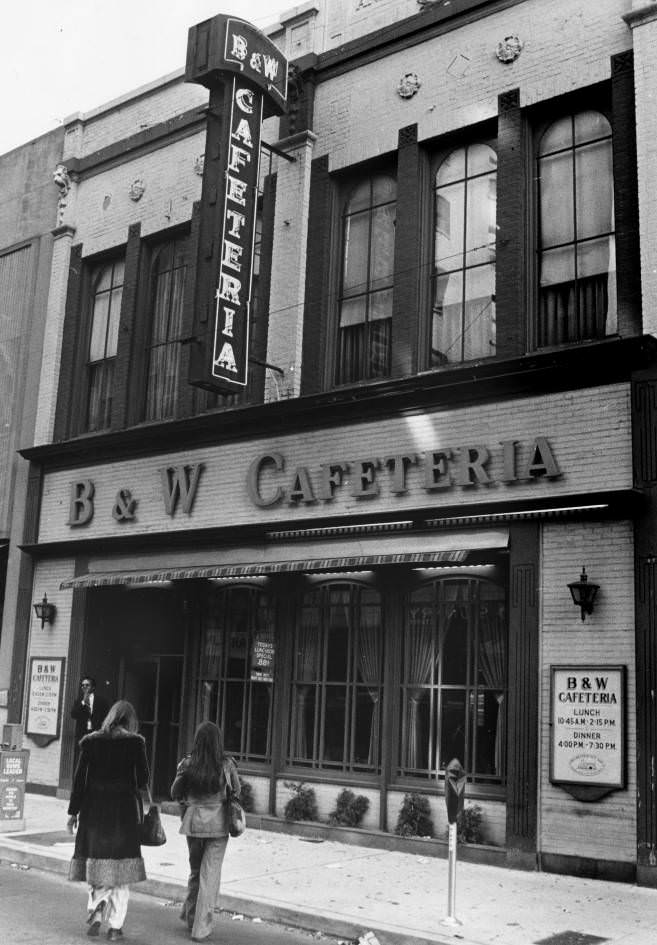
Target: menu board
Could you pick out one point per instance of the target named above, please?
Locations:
(588, 725)
(45, 684)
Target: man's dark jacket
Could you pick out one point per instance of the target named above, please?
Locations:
(82, 713)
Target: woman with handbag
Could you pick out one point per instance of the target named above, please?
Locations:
(205, 781)
(106, 808)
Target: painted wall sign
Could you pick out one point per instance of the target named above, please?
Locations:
(44, 700)
(247, 77)
(588, 726)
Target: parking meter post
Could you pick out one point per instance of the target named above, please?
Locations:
(454, 797)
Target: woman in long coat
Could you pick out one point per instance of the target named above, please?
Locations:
(111, 771)
(201, 786)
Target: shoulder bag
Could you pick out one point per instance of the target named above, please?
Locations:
(151, 831)
(234, 810)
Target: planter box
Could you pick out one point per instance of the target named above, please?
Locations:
(317, 832)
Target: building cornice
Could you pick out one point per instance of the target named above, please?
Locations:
(642, 15)
(583, 366)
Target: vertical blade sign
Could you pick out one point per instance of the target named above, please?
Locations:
(231, 323)
(247, 78)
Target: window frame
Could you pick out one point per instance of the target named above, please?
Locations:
(156, 246)
(478, 135)
(403, 772)
(94, 275)
(257, 594)
(597, 99)
(346, 188)
(316, 764)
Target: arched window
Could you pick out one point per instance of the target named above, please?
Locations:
(237, 669)
(454, 679)
(577, 266)
(365, 316)
(463, 315)
(337, 680)
(168, 273)
(106, 295)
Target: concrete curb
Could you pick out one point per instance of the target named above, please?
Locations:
(253, 908)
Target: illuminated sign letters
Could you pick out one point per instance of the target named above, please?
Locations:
(247, 78)
(233, 293)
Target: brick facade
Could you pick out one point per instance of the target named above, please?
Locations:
(426, 460)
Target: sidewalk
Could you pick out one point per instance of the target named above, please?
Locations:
(347, 891)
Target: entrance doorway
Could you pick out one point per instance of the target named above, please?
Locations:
(153, 684)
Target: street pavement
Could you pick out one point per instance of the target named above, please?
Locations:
(373, 896)
(60, 917)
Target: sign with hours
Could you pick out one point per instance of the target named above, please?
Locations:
(45, 686)
(588, 726)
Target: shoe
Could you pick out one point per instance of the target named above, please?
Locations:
(94, 929)
(114, 934)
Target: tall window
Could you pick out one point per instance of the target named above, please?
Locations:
(365, 319)
(453, 680)
(463, 318)
(337, 680)
(237, 670)
(164, 353)
(106, 294)
(577, 267)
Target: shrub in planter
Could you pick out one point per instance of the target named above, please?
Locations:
(469, 825)
(303, 803)
(414, 817)
(349, 809)
(246, 797)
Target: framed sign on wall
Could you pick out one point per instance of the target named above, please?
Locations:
(44, 699)
(587, 748)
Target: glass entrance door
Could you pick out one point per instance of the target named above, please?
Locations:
(153, 684)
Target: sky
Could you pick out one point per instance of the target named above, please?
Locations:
(58, 57)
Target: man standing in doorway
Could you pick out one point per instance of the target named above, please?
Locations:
(89, 710)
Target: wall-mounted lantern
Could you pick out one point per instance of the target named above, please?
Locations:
(584, 593)
(45, 611)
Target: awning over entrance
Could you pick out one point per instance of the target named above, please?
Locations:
(446, 550)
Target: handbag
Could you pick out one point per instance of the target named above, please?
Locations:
(234, 810)
(151, 831)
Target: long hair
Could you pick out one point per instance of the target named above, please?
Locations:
(204, 773)
(121, 715)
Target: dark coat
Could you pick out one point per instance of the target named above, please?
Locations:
(111, 771)
(81, 713)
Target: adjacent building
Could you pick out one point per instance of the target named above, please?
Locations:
(33, 194)
(359, 563)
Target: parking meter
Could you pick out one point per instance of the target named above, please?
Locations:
(454, 789)
(454, 796)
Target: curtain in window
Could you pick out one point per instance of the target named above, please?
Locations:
(419, 666)
(369, 667)
(492, 664)
(574, 311)
(99, 411)
(306, 671)
(163, 383)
